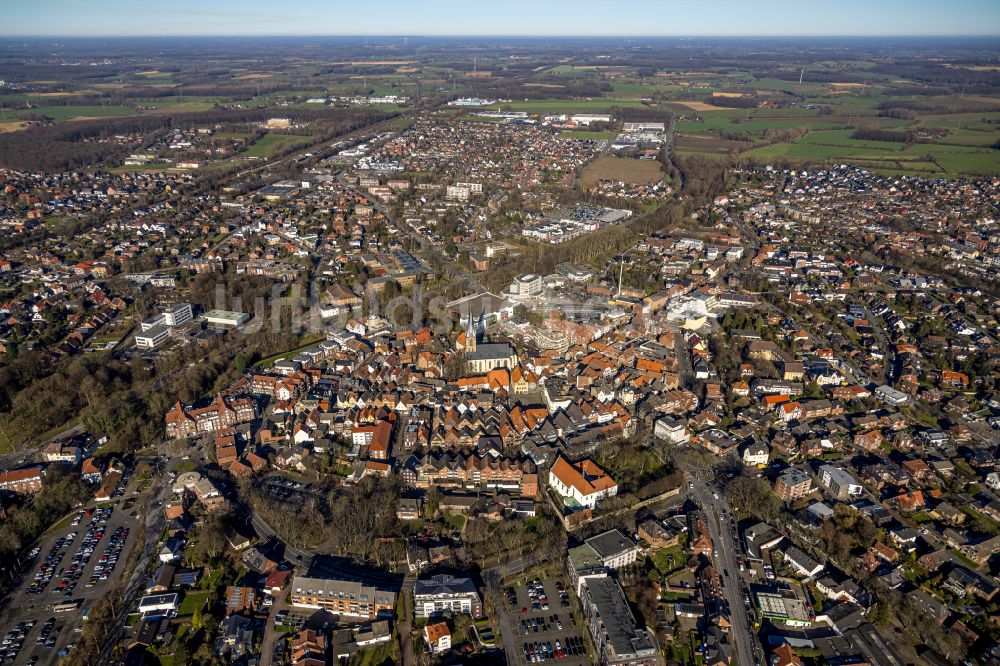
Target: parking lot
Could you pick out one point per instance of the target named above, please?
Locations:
(284, 488)
(73, 568)
(539, 626)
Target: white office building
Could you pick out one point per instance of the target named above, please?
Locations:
(153, 337)
(526, 285)
(178, 314)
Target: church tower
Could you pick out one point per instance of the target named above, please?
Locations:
(471, 334)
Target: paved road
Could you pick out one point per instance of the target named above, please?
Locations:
(155, 521)
(883, 342)
(727, 550)
(404, 623)
(31, 453)
(684, 373)
(299, 557)
(516, 566)
(270, 635)
(304, 558)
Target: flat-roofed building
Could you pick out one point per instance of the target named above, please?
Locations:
(152, 338)
(838, 482)
(615, 549)
(671, 429)
(792, 484)
(158, 604)
(225, 318)
(176, 315)
(613, 627)
(785, 605)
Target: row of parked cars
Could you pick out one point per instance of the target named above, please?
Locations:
(13, 640)
(109, 559)
(545, 651)
(95, 530)
(536, 593)
(50, 564)
(48, 635)
(540, 624)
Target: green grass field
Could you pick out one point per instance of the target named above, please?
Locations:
(269, 144)
(187, 103)
(65, 113)
(757, 126)
(642, 89)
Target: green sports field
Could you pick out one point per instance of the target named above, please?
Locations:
(269, 144)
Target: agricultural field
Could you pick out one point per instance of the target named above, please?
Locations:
(12, 126)
(64, 113)
(938, 159)
(617, 168)
(569, 105)
(640, 89)
(706, 145)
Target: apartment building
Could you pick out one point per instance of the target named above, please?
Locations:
(443, 593)
(342, 597)
(615, 632)
(792, 484)
(22, 481)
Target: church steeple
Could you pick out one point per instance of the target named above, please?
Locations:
(470, 333)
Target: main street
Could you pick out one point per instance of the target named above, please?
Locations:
(727, 550)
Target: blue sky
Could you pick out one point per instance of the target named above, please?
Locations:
(502, 17)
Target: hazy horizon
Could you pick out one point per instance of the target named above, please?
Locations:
(516, 18)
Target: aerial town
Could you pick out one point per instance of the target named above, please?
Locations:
(416, 352)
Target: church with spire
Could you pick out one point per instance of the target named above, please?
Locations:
(485, 356)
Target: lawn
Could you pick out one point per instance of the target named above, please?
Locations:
(455, 522)
(269, 144)
(707, 144)
(618, 168)
(150, 167)
(375, 656)
(755, 126)
(631, 88)
(669, 560)
(193, 601)
(688, 152)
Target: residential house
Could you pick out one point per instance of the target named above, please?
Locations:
(438, 637)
